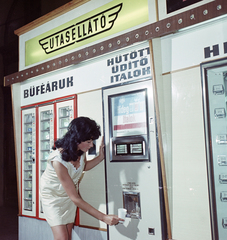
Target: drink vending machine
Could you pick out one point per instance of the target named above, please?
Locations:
(132, 164)
(215, 106)
(42, 123)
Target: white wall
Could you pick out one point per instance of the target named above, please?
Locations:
(92, 186)
(191, 217)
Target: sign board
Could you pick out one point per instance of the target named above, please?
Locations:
(192, 47)
(129, 64)
(111, 18)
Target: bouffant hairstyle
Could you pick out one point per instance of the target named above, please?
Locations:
(80, 130)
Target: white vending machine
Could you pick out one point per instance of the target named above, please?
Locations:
(42, 124)
(215, 108)
(133, 180)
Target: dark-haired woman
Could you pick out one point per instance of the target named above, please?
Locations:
(59, 182)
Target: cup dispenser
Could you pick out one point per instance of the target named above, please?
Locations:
(131, 202)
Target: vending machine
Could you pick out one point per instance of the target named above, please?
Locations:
(215, 107)
(132, 164)
(42, 124)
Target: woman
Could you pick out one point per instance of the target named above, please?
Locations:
(59, 182)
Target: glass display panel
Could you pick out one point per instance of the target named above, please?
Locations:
(46, 136)
(28, 157)
(129, 115)
(216, 106)
(136, 148)
(121, 149)
(28, 204)
(65, 114)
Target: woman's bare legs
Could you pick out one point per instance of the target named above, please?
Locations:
(70, 227)
(62, 232)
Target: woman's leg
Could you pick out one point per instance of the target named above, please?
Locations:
(61, 232)
(70, 227)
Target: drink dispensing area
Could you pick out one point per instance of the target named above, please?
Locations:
(153, 75)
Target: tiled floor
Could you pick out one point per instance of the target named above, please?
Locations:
(8, 223)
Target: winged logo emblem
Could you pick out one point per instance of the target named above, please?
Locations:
(87, 28)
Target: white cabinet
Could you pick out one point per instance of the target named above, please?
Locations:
(42, 124)
(28, 162)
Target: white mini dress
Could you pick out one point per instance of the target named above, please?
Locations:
(57, 206)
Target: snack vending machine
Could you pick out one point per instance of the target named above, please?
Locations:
(215, 105)
(42, 123)
(132, 165)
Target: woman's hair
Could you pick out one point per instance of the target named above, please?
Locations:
(80, 130)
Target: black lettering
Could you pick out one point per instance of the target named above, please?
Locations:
(133, 55)
(61, 83)
(26, 93)
(137, 73)
(70, 82)
(32, 91)
(148, 50)
(118, 59)
(37, 90)
(208, 51)
(73, 34)
(48, 89)
(42, 89)
(54, 86)
(67, 36)
(141, 52)
(115, 70)
(57, 40)
(117, 77)
(130, 75)
(84, 33)
(89, 27)
(103, 21)
(126, 56)
(123, 77)
(51, 43)
(143, 61)
(135, 63)
(123, 67)
(110, 62)
(61, 39)
(95, 20)
(146, 71)
(79, 35)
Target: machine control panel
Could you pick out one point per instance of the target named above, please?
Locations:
(130, 148)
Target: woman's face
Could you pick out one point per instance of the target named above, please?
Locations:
(85, 146)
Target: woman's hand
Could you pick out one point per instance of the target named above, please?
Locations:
(111, 219)
(101, 149)
(95, 161)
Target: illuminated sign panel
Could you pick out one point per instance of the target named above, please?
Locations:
(102, 22)
(174, 5)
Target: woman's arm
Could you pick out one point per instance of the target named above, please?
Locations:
(70, 189)
(95, 161)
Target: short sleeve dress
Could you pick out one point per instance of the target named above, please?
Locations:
(57, 206)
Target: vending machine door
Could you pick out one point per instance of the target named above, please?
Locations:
(46, 140)
(215, 106)
(28, 162)
(65, 114)
(132, 175)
